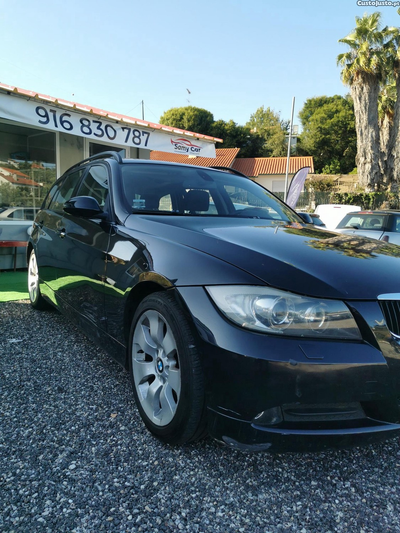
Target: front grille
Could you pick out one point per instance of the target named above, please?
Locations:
(391, 312)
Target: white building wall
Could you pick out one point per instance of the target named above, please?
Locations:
(70, 150)
(273, 183)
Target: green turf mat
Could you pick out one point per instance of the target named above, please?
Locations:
(13, 286)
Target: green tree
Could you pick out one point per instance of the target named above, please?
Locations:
(329, 133)
(235, 136)
(11, 195)
(262, 136)
(267, 124)
(189, 118)
(324, 185)
(364, 68)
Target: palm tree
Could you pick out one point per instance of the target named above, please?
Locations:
(386, 112)
(392, 111)
(364, 68)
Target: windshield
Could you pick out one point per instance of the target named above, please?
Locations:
(182, 190)
(370, 221)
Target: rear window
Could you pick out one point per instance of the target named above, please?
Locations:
(366, 222)
(17, 214)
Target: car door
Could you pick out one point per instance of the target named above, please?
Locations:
(83, 246)
(392, 234)
(48, 231)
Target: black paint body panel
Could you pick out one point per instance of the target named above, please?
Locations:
(97, 270)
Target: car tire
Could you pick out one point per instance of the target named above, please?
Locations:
(37, 300)
(166, 371)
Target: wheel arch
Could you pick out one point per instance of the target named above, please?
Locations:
(137, 295)
(29, 248)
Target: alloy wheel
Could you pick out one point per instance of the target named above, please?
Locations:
(33, 278)
(156, 370)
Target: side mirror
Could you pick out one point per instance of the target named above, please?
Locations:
(306, 217)
(84, 206)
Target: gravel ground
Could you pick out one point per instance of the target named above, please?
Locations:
(75, 457)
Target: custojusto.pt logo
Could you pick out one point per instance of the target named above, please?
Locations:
(378, 3)
(185, 146)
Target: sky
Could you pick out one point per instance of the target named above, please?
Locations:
(234, 56)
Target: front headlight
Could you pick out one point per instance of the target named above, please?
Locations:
(273, 311)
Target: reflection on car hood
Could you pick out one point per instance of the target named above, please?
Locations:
(294, 257)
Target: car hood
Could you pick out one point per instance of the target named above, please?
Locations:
(294, 257)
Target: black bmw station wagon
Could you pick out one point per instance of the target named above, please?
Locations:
(234, 317)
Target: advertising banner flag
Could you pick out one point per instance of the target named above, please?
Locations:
(296, 186)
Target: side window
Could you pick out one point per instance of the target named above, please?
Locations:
(397, 225)
(351, 221)
(29, 214)
(50, 196)
(65, 190)
(95, 184)
(18, 214)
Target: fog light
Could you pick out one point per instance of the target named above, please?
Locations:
(270, 417)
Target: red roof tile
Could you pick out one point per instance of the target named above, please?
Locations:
(13, 171)
(113, 116)
(16, 177)
(224, 158)
(253, 167)
(256, 166)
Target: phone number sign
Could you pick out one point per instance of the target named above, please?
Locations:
(88, 127)
(103, 131)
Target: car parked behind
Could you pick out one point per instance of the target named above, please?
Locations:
(332, 214)
(18, 213)
(383, 225)
(234, 317)
(15, 226)
(314, 219)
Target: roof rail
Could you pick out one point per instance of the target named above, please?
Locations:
(102, 155)
(229, 169)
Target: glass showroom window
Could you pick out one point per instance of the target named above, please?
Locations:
(27, 164)
(97, 148)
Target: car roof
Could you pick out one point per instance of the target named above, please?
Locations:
(13, 207)
(106, 156)
(377, 212)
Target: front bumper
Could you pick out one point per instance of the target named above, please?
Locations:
(280, 394)
(250, 437)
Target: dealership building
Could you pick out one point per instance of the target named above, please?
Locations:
(56, 133)
(42, 136)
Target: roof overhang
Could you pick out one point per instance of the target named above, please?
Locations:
(56, 114)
